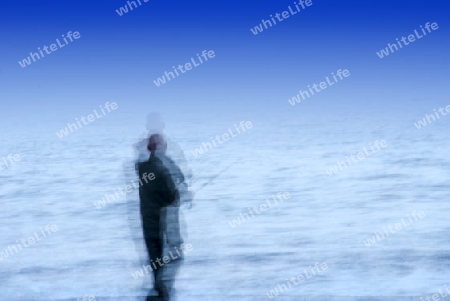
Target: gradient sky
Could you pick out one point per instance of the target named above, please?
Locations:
(118, 57)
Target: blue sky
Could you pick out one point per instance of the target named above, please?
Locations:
(118, 57)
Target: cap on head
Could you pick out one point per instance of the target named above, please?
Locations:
(157, 143)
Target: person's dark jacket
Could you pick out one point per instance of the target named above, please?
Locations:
(155, 194)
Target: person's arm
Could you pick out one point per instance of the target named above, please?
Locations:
(170, 192)
(185, 196)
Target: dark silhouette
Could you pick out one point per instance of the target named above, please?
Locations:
(162, 186)
(155, 125)
(171, 215)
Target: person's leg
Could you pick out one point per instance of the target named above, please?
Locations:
(174, 241)
(154, 247)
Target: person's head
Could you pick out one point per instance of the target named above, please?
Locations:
(155, 123)
(157, 144)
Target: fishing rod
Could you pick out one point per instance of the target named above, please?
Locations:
(215, 176)
(210, 180)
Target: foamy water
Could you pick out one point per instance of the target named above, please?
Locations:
(326, 219)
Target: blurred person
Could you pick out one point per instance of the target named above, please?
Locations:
(155, 125)
(159, 227)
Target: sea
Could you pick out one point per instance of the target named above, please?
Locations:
(327, 219)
